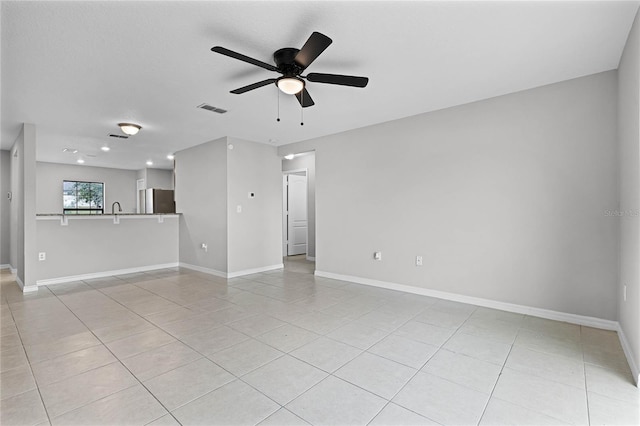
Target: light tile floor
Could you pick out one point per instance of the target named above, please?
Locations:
(286, 348)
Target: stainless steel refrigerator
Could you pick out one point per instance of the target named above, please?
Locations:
(158, 201)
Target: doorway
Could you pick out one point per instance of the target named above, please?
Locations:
(302, 164)
(295, 223)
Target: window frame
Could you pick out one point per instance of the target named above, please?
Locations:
(81, 210)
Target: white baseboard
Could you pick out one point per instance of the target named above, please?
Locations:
(5, 266)
(231, 274)
(20, 283)
(255, 270)
(203, 269)
(629, 354)
(61, 280)
(26, 288)
(487, 303)
(311, 258)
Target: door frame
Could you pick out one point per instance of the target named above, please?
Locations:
(285, 219)
(139, 182)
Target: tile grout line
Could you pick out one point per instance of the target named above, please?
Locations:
(198, 352)
(422, 366)
(121, 363)
(495, 385)
(584, 370)
(331, 374)
(504, 364)
(240, 378)
(46, 411)
(350, 321)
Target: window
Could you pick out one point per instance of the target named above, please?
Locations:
(82, 197)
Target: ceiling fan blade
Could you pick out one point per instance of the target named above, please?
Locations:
(342, 80)
(253, 86)
(315, 45)
(304, 98)
(241, 57)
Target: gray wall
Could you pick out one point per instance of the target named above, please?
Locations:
(201, 197)
(629, 136)
(156, 178)
(5, 207)
(504, 198)
(94, 245)
(14, 209)
(119, 185)
(211, 181)
(307, 161)
(159, 178)
(23, 207)
(254, 235)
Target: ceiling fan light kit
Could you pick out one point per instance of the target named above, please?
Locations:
(291, 62)
(290, 85)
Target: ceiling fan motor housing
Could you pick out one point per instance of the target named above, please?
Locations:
(285, 61)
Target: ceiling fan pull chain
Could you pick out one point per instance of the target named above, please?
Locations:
(302, 108)
(278, 119)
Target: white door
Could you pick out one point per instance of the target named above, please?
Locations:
(297, 214)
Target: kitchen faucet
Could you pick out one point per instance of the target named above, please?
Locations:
(113, 207)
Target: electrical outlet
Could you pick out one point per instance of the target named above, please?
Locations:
(239, 208)
(418, 260)
(377, 255)
(42, 256)
(204, 246)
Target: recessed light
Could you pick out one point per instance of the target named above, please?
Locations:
(289, 156)
(105, 148)
(149, 163)
(80, 161)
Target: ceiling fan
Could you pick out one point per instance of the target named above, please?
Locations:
(291, 62)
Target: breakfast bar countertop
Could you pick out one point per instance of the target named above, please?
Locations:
(105, 214)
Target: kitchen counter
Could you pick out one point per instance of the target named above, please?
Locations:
(64, 218)
(105, 214)
(77, 247)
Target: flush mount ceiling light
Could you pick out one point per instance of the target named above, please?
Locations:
(289, 156)
(149, 163)
(105, 148)
(129, 128)
(80, 161)
(290, 85)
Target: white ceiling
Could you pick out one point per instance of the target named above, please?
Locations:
(75, 69)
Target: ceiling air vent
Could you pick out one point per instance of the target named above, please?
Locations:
(212, 108)
(113, 135)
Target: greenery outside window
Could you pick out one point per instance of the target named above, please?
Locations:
(82, 197)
